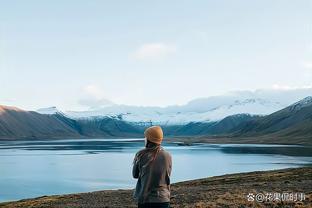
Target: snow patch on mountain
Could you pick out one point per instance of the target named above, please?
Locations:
(302, 103)
(305, 102)
(49, 110)
(182, 114)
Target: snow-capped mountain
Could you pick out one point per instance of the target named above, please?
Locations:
(182, 114)
(215, 108)
(292, 123)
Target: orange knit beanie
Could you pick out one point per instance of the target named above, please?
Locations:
(154, 134)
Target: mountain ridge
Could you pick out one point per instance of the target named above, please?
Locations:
(292, 121)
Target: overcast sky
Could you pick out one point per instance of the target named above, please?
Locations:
(77, 54)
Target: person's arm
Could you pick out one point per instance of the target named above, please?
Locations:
(169, 168)
(135, 168)
(170, 165)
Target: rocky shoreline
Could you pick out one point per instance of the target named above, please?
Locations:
(229, 190)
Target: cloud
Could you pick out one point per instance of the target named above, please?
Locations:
(152, 51)
(287, 87)
(307, 64)
(93, 91)
(93, 97)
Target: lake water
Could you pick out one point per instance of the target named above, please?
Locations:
(36, 168)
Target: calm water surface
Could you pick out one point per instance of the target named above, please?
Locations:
(31, 169)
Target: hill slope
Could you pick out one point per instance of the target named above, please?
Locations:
(294, 120)
(19, 124)
(223, 126)
(108, 127)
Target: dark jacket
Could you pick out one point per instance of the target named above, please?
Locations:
(153, 185)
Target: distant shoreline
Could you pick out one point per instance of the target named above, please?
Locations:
(189, 140)
(228, 190)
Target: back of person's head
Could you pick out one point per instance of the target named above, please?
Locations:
(153, 138)
(154, 134)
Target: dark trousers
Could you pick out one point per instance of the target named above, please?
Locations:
(154, 205)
